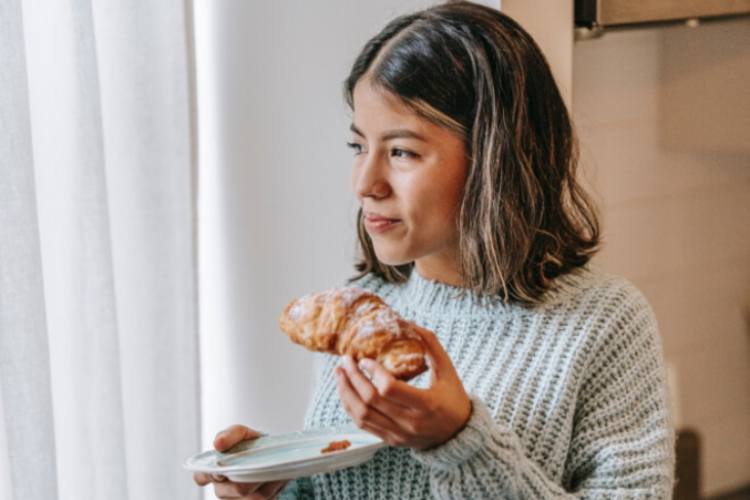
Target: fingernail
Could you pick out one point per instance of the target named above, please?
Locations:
(366, 366)
(366, 363)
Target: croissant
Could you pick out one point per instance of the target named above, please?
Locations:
(356, 322)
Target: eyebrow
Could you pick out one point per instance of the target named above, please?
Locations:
(392, 134)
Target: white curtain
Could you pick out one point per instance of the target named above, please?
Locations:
(98, 337)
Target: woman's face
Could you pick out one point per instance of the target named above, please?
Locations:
(409, 176)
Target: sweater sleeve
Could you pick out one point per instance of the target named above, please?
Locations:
(622, 444)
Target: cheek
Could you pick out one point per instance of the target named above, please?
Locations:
(432, 216)
(453, 193)
(438, 201)
(442, 214)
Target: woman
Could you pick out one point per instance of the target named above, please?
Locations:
(547, 376)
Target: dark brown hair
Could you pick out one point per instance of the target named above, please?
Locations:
(524, 219)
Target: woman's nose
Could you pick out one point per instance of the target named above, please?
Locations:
(370, 179)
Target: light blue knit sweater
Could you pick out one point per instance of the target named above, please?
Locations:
(570, 399)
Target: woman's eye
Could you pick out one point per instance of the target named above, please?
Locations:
(356, 147)
(402, 153)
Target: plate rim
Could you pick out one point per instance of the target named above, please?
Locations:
(301, 471)
(343, 431)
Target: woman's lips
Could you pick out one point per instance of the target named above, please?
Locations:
(378, 224)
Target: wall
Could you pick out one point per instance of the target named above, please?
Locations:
(550, 24)
(663, 120)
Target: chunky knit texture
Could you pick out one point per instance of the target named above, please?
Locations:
(569, 399)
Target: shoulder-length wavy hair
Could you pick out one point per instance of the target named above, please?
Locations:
(524, 219)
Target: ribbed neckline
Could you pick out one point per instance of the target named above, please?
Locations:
(434, 297)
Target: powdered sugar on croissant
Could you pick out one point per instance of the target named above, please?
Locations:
(354, 321)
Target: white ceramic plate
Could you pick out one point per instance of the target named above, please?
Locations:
(288, 456)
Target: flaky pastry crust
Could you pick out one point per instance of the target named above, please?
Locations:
(356, 322)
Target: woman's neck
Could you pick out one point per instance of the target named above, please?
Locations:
(439, 270)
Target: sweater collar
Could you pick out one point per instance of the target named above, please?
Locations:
(434, 297)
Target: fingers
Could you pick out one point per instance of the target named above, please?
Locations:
(377, 389)
(440, 361)
(361, 413)
(392, 389)
(223, 488)
(231, 489)
(367, 417)
(264, 490)
(233, 435)
(201, 478)
(269, 490)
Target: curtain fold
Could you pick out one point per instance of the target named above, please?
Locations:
(74, 230)
(24, 362)
(98, 330)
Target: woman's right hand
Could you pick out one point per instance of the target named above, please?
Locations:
(223, 487)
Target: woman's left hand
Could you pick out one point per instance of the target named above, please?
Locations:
(398, 413)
